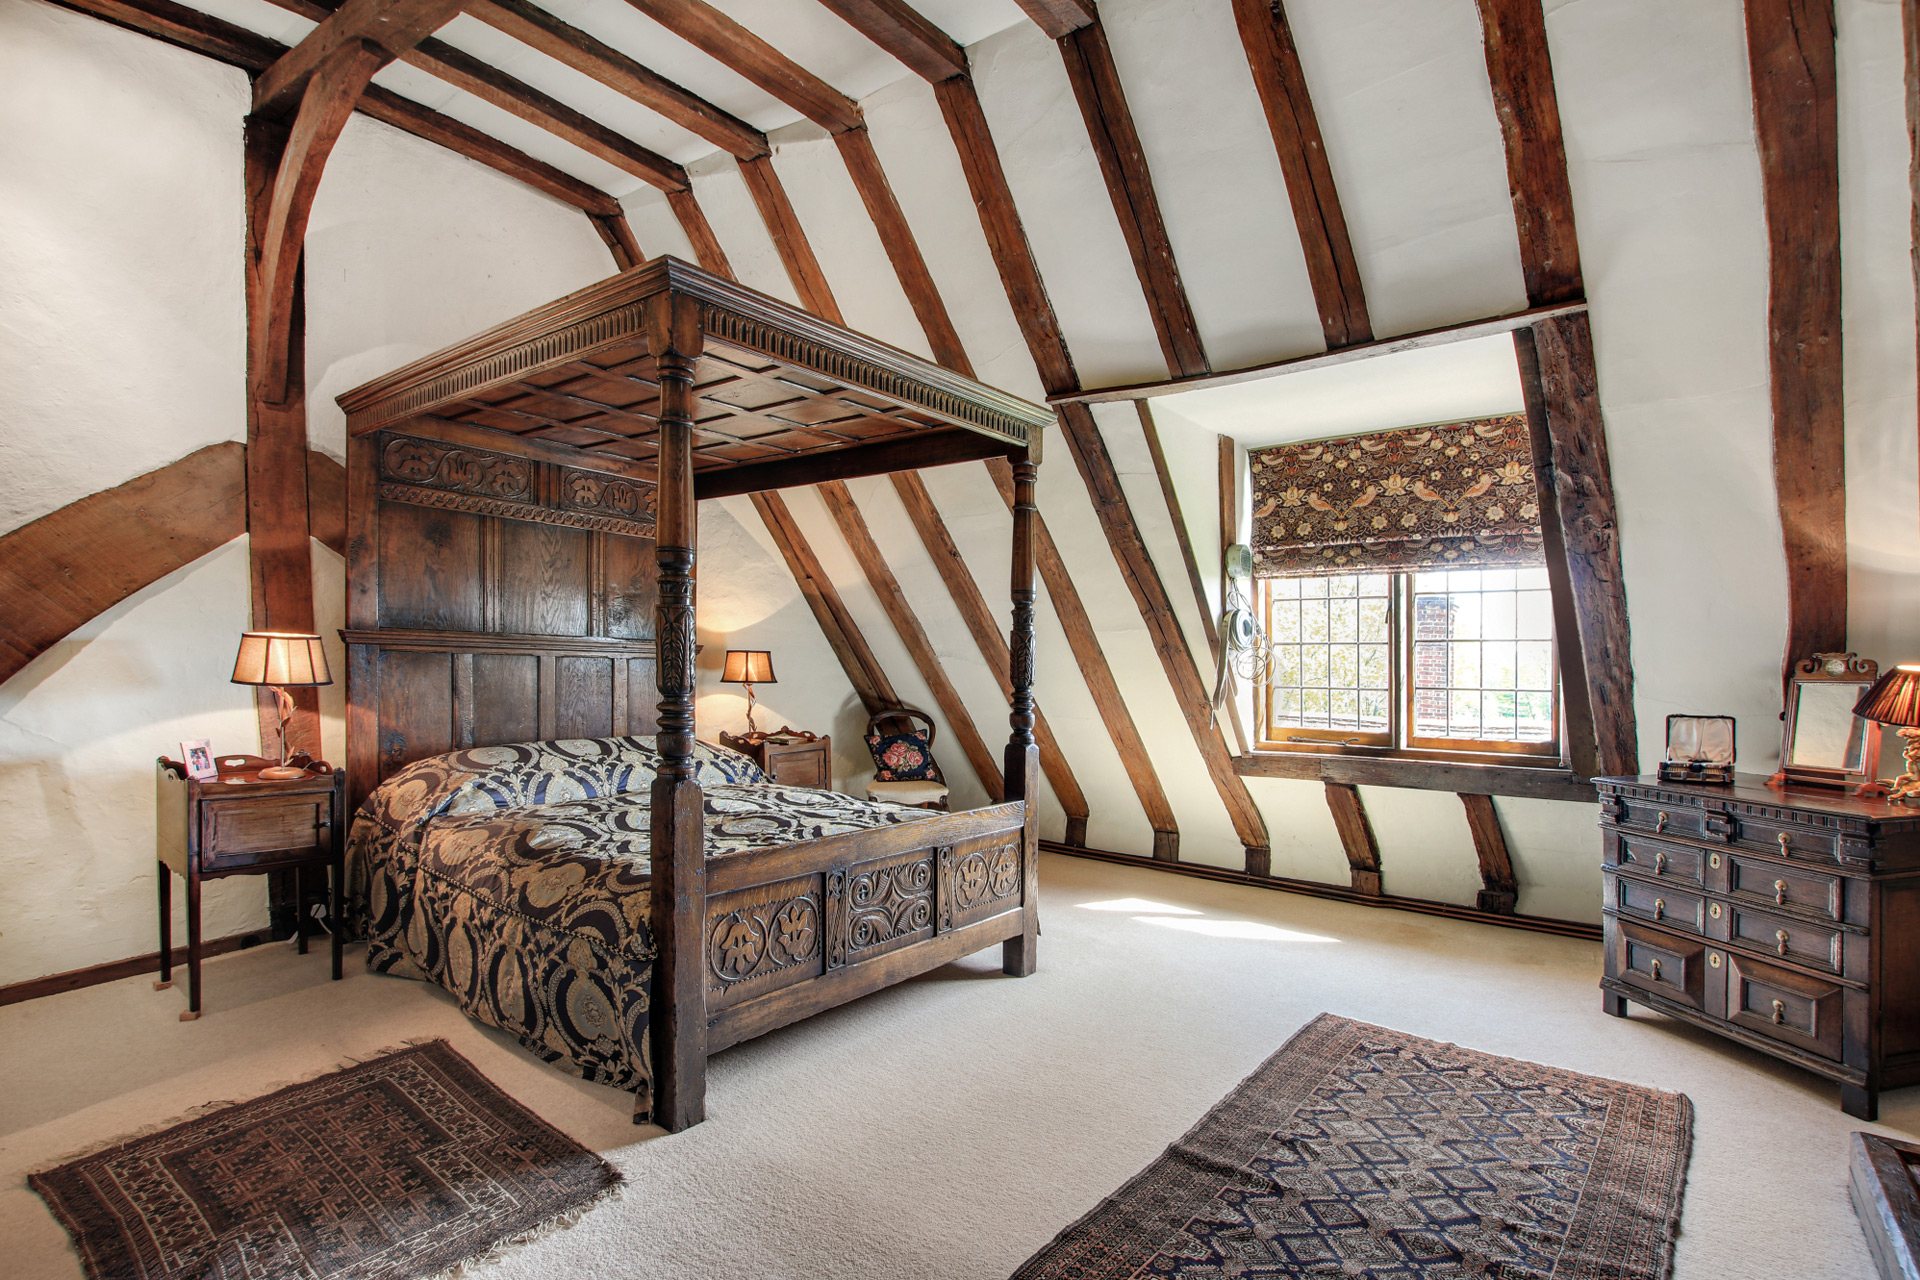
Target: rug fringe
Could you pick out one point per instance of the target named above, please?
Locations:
(499, 1249)
(215, 1105)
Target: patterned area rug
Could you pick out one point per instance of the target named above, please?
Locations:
(1358, 1151)
(398, 1168)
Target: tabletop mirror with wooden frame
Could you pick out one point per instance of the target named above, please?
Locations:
(1824, 744)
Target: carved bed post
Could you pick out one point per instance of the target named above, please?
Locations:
(1019, 955)
(678, 1026)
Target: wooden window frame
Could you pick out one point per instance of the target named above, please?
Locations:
(1399, 742)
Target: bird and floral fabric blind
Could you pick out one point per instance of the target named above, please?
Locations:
(1452, 495)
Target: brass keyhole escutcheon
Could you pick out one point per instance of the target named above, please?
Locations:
(1779, 1012)
(1659, 908)
(1781, 938)
(1780, 893)
(1660, 864)
(1714, 911)
(1660, 823)
(1713, 860)
(1653, 966)
(1713, 958)
(1786, 839)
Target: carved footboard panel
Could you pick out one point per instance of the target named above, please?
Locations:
(793, 930)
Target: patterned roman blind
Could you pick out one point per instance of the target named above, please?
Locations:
(1451, 495)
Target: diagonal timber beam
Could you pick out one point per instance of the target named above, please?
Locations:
(715, 34)
(864, 673)
(1500, 891)
(952, 569)
(1356, 837)
(1163, 625)
(917, 44)
(1282, 83)
(1521, 74)
(1790, 46)
(1098, 674)
(1123, 162)
(390, 26)
(853, 527)
(789, 238)
(1060, 17)
(617, 233)
(586, 54)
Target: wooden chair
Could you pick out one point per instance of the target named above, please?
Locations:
(918, 795)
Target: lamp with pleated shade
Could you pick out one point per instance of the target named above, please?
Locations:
(1895, 699)
(748, 667)
(277, 659)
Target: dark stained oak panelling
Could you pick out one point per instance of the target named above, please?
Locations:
(542, 580)
(416, 706)
(506, 697)
(583, 697)
(440, 589)
(628, 580)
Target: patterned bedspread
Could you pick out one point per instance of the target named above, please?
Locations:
(517, 878)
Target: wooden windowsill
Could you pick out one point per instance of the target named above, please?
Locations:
(1534, 782)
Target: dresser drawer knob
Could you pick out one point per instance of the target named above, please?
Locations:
(1786, 839)
(1659, 908)
(1779, 1012)
(1780, 893)
(1660, 863)
(322, 823)
(1660, 823)
(1781, 938)
(1653, 966)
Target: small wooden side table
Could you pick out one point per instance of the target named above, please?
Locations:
(237, 824)
(804, 763)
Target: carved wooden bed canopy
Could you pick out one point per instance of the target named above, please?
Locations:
(521, 541)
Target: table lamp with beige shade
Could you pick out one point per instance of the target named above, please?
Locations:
(278, 659)
(748, 667)
(1895, 699)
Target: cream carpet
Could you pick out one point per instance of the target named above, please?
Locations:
(948, 1127)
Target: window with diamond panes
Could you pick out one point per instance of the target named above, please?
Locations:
(1451, 661)
(1332, 673)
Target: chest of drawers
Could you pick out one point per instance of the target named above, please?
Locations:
(1786, 920)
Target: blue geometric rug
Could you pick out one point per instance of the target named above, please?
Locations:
(1359, 1151)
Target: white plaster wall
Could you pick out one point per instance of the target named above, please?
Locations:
(80, 727)
(411, 248)
(120, 219)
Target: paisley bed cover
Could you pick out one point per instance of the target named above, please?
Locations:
(517, 878)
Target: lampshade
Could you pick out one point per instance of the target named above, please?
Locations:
(1894, 698)
(748, 666)
(275, 657)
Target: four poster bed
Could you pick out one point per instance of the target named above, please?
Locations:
(541, 834)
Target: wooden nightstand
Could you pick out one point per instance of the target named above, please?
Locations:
(235, 824)
(808, 763)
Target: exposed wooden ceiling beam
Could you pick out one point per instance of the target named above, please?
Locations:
(1521, 74)
(390, 26)
(1060, 17)
(1356, 837)
(863, 670)
(1123, 162)
(693, 220)
(790, 238)
(63, 570)
(186, 28)
(863, 163)
(1317, 216)
(464, 71)
(1790, 47)
(917, 44)
(951, 568)
(590, 56)
(1006, 236)
(424, 122)
(714, 33)
(906, 624)
(1464, 332)
(1098, 674)
(1499, 888)
(1143, 581)
(617, 233)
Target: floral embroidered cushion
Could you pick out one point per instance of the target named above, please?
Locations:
(903, 757)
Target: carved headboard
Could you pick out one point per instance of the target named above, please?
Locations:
(498, 591)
